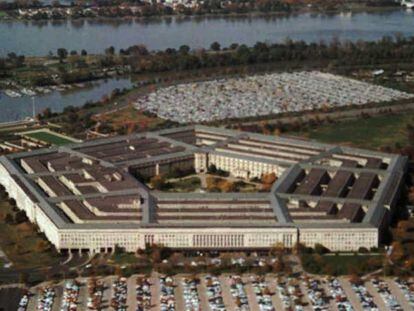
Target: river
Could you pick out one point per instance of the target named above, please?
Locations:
(39, 38)
(13, 109)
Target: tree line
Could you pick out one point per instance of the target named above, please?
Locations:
(335, 53)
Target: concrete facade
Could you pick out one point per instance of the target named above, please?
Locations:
(300, 207)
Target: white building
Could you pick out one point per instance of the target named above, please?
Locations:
(84, 196)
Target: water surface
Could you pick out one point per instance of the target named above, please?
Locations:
(38, 38)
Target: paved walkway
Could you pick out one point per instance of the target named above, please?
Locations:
(377, 298)
(131, 294)
(202, 292)
(399, 295)
(155, 292)
(352, 297)
(227, 297)
(251, 296)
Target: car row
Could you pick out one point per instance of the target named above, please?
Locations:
(384, 291)
(238, 292)
(406, 288)
(24, 301)
(119, 296)
(143, 293)
(70, 296)
(290, 294)
(214, 293)
(365, 298)
(339, 296)
(95, 295)
(190, 294)
(167, 297)
(263, 293)
(316, 294)
(46, 299)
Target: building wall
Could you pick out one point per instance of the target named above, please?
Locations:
(236, 166)
(23, 201)
(335, 239)
(340, 239)
(209, 238)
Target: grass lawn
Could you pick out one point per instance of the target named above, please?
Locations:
(19, 242)
(124, 258)
(185, 185)
(49, 138)
(130, 117)
(340, 264)
(372, 133)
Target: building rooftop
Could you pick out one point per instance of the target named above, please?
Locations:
(91, 184)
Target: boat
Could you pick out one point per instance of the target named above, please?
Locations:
(407, 4)
(28, 92)
(12, 93)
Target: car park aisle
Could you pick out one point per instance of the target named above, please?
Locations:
(33, 300)
(251, 296)
(107, 294)
(155, 292)
(131, 294)
(83, 294)
(325, 286)
(398, 295)
(228, 299)
(202, 290)
(179, 293)
(57, 303)
(350, 294)
(277, 302)
(377, 298)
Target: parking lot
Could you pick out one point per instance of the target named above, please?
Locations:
(261, 95)
(224, 292)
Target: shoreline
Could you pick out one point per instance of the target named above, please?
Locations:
(195, 17)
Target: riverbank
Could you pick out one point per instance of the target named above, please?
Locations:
(70, 12)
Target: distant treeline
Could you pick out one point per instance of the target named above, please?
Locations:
(387, 50)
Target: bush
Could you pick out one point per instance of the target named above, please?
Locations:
(320, 249)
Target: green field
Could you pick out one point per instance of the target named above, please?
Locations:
(49, 138)
(341, 264)
(372, 133)
(185, 185)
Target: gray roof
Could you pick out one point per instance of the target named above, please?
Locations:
(391, 178)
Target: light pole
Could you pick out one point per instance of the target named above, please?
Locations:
(33, 108)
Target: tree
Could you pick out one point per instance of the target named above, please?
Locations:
(212, 169)
(277, 249)
(110, 50)
(397, 251)
(184, 49)
(8, 219)
(320, 249)
(118, 250)
(20, 217)
(62, 54)
(215, 46)
(23, 278)
(157, 182)
(12, 202)
(42, 246)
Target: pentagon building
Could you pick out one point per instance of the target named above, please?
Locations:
(84, 197)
